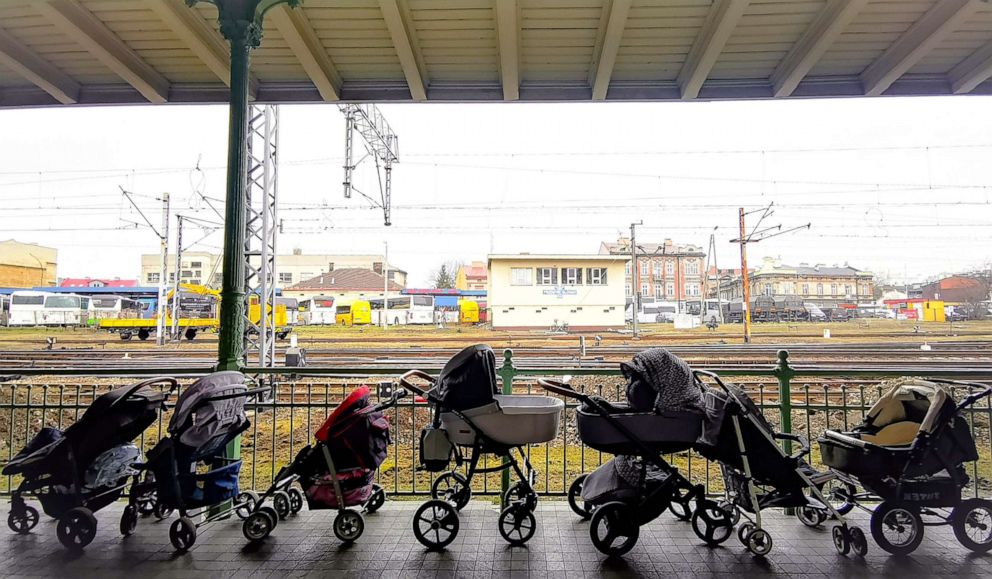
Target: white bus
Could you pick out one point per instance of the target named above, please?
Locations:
(403, 310)
(317, 311)
(32, 308)
(4, 309)
(114, 307)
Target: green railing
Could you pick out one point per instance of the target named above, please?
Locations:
(804, 400)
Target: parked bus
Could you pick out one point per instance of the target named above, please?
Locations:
(468, 312)
(4, 309)
(317, 311)
(114, 307)
(33, 308)
(292, 306)
(402, 310)
(357, 313)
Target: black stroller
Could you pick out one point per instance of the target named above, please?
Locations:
(75, 472)
(758, 474)
(910, 452)
(337, 471)
(469, 412)
(190, 471)
(661, 416)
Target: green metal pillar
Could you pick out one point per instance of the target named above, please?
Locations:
(784, 373)
(506, 374)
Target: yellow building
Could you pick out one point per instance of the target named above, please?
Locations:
(474, 276)
(27, 265)
(540, 291)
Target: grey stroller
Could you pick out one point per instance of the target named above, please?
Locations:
(470, 413)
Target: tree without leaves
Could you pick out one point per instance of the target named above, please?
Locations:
(443, 278)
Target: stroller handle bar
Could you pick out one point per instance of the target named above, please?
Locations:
(246, 394)
(406, 384)
(559, 387)
(172, 382)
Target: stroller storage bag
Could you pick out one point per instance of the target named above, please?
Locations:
(435, 449)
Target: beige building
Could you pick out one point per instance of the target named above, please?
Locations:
(540, 291)
(825, 286)
(200, 267)
(24, 265)
(345, 285)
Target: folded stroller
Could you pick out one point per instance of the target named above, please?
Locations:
(759, 474)
(910, 452)
(663, 414)
(337, 471)
(75, 472)
(470, 413)
(190, 471)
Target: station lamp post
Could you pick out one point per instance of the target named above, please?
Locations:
(241, 25)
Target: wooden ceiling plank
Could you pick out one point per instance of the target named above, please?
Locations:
(405, 47)
(36, 69)
(508, 38)
(92, 34)
(719, 25)
(925, 34)
(606, 60)
(304, 43)
(196, 34)
(972, 71)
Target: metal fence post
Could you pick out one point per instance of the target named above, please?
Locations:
(506, 374)
(784, 373)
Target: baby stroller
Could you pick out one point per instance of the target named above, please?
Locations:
(910, 452)
(759, 474)
(337, 471)
(190, 472)
(663, 414)
(76, 472)
(470, 413)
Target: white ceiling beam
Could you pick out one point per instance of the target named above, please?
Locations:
(39, 71)
(926, 33)
(196, 34)
(719, 25)
(972, 71)
(303, 41)
(610, 46)
(88, 31)
(821, 34)
(508, 36)
(406, 48)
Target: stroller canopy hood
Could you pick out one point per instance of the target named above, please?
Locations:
(212, 417)
(889, 409)
(468, 380)
(358, 399)
(659, 380)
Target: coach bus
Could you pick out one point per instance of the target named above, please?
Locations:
(34, 308)
(317, 311)
(357, 313)
(403, 310)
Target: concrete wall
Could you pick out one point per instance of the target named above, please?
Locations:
(538, 306)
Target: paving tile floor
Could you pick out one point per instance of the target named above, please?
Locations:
(305, 546)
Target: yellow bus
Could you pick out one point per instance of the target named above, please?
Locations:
(357, 313)
(468, 312)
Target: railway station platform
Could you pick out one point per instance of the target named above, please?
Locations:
(304, 546)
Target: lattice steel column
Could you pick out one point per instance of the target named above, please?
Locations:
(261, 227)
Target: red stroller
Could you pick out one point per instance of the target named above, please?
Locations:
(336, 472)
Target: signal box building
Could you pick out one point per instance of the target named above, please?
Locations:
(541, 291)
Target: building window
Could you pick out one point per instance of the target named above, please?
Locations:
(172, 277)
(521, 276)
(626, 269)
(670, 288)
(692, 267)
(187, 273)
(692, 290)
(627, 289)
(658, 291)
(833, 289)
(656, 269)
(154, 277)
(547, 276)
(669, 267)
(847, 290)
(805, 289)
(768, 289)
(285, 278)
(196, 264)
(643, 266)
(819, 289)
(644, 289)
(597, 276)
(571, 276)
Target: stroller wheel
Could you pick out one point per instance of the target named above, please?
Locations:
(281, 502)
(613, 530)
(257, 526)
(681, 503)
(732, 510)
(711, 523)
(129, 520)
(295, 500)
(182, 533)
(161, 511)
(246, 501)
(272, 514)
(348, 525)
(435, 524)
(841, 538)
(896, 528)
(579, 506)
(22, 520)
(520, 494)
(453, 487)
(759, 542)
(146, 504)
(859, 543)
(744, 531)
(811, 516)
(375, 501)
(76, 528)
(972, 523)
(517, 524)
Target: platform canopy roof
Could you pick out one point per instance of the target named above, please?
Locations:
(156, 51)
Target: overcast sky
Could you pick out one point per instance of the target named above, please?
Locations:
(896, 186)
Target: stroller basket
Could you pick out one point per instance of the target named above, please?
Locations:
(204, 489)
